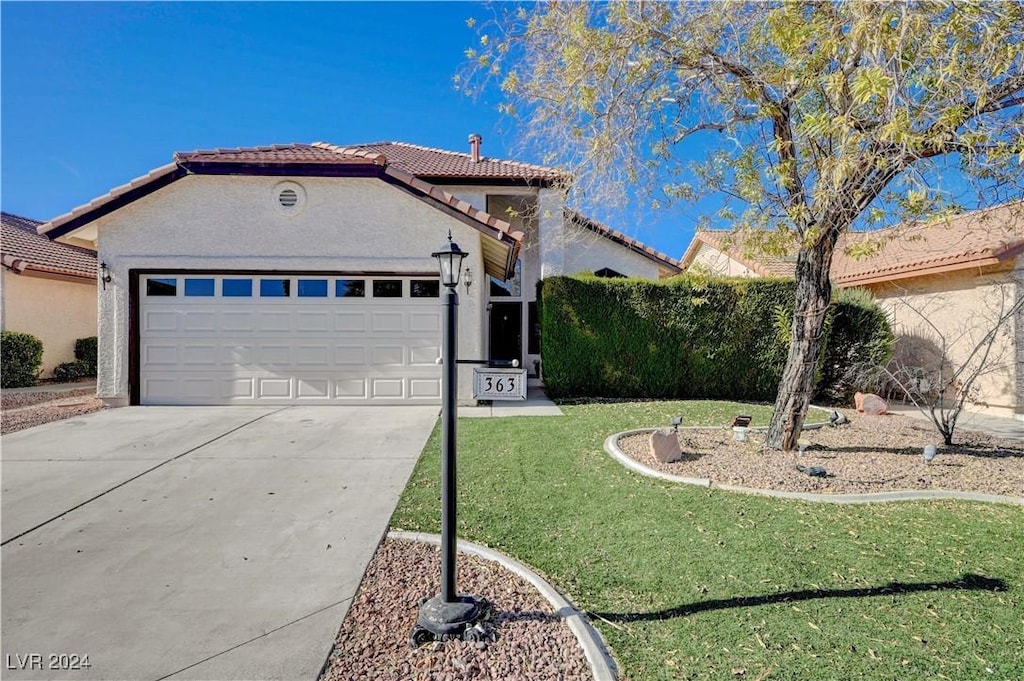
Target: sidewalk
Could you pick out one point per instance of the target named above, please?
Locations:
(52, 387)
(996, 426)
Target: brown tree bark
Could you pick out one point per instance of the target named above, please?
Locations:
(813, 295)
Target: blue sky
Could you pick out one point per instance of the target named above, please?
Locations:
(95, 94)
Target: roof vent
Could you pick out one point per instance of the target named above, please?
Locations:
(289, 198)
(475, 140)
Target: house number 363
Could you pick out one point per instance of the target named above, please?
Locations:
(507, 384)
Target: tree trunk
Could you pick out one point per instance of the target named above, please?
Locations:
(813, 294)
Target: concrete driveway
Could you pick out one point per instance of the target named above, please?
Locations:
(194, 542)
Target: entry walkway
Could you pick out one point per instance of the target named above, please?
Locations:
(996, 426)
(535, 404)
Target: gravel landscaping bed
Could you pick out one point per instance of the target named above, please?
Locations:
(532, 641)
(870, 454)
(24, 410)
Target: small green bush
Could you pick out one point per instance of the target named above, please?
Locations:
(21, 356)
(86, 351)
(72, 371)
(858, 334)
(688, 337)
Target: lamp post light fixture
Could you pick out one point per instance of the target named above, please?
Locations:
(467, 278)
(449, 615)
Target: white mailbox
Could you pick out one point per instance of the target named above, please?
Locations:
(499, 384)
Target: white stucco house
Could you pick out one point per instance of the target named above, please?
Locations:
(302, 273)
(943, 283)
(47, 289)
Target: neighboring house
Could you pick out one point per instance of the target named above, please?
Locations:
(48, 289)
(302, 273)
(956, 273)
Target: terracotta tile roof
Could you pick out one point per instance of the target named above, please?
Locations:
(279, 154)
(23, 249)
(976, 239)
(423, 162)
(632, 244)
(95, 208)
(316, 159)
(437, 164)
(764, 265)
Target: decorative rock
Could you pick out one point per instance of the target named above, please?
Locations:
(870, 404)
(664, 446)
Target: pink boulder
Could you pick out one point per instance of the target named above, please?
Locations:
(664, 446)
(870, 404)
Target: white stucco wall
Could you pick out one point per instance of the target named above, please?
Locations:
(57, 312)
(960, 307)
(586, 252)
(233, 223)
(551, 236)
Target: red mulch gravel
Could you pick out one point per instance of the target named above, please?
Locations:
(373, 644)
(24, 410)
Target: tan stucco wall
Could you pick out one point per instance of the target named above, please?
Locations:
(961, 306)
(719, 263)
(55, 311)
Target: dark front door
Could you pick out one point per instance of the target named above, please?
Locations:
(506, 331)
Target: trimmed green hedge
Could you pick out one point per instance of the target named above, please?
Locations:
(72, 371)
(86, 352)
(691, 338)
(21, 356)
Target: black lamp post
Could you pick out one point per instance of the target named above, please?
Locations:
(449, 615)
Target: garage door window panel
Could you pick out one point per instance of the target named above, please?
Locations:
(312, 288)
(275, 288)
(199, 288)
(350, 288)
(161, 287)
(387, 288)
(425, 288)
(237, 288)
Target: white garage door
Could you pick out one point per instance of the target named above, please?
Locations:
(288, 339)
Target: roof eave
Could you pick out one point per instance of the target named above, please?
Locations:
(605, 232)
(910, 273)
(478, 181)
(21, 266)
(113, 200)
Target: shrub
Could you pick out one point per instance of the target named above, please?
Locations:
(86, 351)
(858, 334)
(72, 371)
(687, 337)
(21, 356)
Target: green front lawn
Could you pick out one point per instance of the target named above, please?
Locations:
(685, 582)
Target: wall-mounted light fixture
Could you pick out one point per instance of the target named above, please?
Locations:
(105, 275)
(467, 277)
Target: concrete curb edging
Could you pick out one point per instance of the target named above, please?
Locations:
(611, 445)
(594, 648)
